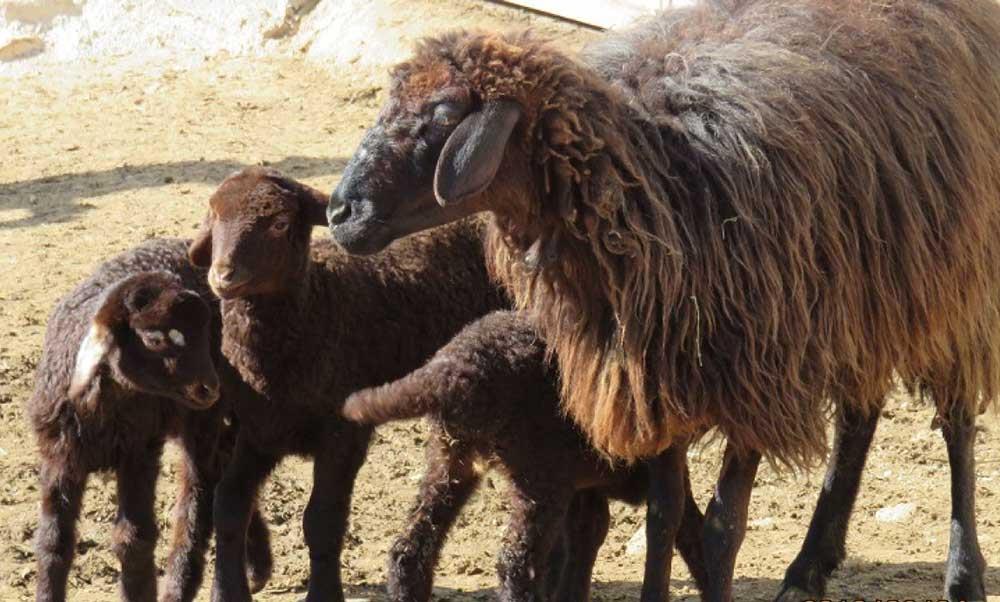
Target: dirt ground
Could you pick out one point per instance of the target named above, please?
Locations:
(97, 160)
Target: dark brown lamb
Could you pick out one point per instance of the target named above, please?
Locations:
(129, 360)
(305, 325)
(491, 399)
(728, 217)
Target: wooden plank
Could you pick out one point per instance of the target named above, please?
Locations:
(599, 13)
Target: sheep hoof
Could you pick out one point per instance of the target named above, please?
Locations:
(790, 593)
(257, 582)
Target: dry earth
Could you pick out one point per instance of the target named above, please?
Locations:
(97, 159)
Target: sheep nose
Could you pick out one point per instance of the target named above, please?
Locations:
(224, 272)
(203, 394)
(338, 210)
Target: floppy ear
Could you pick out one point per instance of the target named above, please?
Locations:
(472, 154)
(139, 298)
(200, 251)
(93, 351)
(313, 205)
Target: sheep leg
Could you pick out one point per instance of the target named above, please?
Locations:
(665, 511)
(688, 541)
(235, 499)
(260, 560)
(135, 531)
(535, 525)
(326, 514)
(559, 559)
(198, 473)
(726, 522)
(55, 537)
(587, 526)
(966, 565)
(824, 547)
(445, 488)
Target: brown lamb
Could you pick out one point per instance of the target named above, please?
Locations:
(307, 324)
(491, 398)
(129, 361)
(728, 217)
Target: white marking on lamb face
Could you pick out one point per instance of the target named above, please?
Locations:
(176, 336)
(93, 349)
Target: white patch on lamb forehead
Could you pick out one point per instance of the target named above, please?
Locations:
(176, 336)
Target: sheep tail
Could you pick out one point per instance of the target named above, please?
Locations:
(403, 399)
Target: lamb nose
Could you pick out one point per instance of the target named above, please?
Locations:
(224, 273)
(205, 393)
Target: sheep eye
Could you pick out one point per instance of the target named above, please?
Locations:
(280, 225)
(447, 114)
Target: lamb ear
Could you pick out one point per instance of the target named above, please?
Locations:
(312, 202)
(313, 205)
(93, 351)
(472, 154)
(200, 250)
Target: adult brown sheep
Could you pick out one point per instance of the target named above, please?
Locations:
(727, 217)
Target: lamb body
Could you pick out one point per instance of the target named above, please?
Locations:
(491, 398)
(105, 402)
(307, 324)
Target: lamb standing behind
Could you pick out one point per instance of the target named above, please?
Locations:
(491, 397)
(306, 325)
(128, 361)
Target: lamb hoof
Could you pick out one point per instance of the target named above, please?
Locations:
(974, 592)
(257, 582)
(790, 593)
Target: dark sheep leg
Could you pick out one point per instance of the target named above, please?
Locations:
(558, 561)
(688, 541)
(329, 507)
(199, 472)
(235, 499)
(966, 565)
(536, 523)
(445, 488)
(587, 525)
(135, 531)
(824, 547)
(55, 538)
(665, 511)
(260, 559)
(726, 522)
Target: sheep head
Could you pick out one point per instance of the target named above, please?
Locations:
(471, 124)
(255, 239)
(152, 336)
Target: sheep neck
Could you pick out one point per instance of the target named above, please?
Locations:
(261, 334)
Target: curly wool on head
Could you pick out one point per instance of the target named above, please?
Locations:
(751, 213)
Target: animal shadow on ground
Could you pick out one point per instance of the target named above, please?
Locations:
(855, 580)
(55, 199)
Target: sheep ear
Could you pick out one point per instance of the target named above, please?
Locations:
(314, 205)
(471, 157)
(200, 251)
(93, 351)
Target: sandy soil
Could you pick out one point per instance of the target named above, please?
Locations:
(97, 159)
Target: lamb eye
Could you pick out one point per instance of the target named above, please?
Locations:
(447, 114)
(154, 340)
